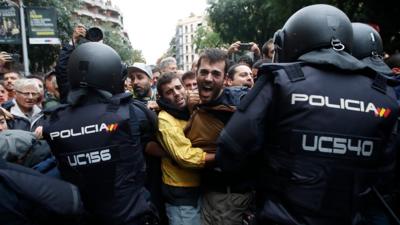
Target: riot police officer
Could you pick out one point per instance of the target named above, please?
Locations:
(322, 125)
(368, 47)
(98, 138)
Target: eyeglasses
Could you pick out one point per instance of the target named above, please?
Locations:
(27, 94)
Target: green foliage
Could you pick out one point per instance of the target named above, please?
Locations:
(257, 20)
(206, 38)
(137, 56)
(42, 57)
(113, 38)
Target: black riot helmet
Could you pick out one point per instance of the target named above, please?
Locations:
(311, 28)
(366, 41)
(95, 65)
(368, 48)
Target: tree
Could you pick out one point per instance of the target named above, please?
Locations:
(42, 57)
(137, 56)
(257, 20)
(206, 38)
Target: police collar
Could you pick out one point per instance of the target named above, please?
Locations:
(329, 56)
(376, 63)
(76, 96)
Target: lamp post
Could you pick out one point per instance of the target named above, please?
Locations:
(23, 35)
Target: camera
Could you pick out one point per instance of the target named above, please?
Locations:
(15, 57)
(245, 46)
(93, 34)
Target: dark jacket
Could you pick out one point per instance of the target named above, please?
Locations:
(324, 132)
(98, 143)
(61, 71)
(203, 130)
(29, 198)
(22, 147)
(21, 121)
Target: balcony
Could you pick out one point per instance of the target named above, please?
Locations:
(98, 16)
(103, 4)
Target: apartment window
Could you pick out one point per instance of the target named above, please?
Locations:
(186, 39)
(187, 48)
(191, 28)
(186, 29)
(187, 59)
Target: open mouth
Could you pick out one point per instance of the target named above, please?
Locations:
(180, 101)
(247, 85)
(207, 88)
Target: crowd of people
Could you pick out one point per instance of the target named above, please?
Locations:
(301, 131)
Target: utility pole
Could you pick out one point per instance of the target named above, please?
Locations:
(23, 35)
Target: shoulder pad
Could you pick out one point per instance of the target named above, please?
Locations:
(55, 108)
(293, 70)
(267, 68)
(121, 98)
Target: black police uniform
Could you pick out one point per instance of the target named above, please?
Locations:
(324, 129)
(99, 147)
(27, 197)
(324, 137)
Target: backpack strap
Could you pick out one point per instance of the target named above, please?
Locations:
(266, 73)
(150, 115)
(380, 83)
(134, 124)
(115, 101)
(52, 111)
(294, 72)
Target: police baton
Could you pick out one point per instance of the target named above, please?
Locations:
(386, 205)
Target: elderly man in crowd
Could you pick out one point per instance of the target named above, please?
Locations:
(24, 109)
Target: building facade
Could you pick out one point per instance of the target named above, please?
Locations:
(185, 48)
(101, 13)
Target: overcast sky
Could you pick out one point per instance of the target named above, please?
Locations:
(151, 23)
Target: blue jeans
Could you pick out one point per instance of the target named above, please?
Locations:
(183, 215)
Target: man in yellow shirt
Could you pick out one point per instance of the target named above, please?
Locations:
(181, 180)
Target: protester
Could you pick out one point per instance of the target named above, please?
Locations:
(239, 75)
(246, 53)
(181, 183)
(78, 33)
(141, 79)
(27, 115)
(189, 80)
(268, 50)
(168, 65)
(3, 93)
(225, 198)
(9, 79)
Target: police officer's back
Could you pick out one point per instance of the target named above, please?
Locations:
(98, 138)
(323, 126)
